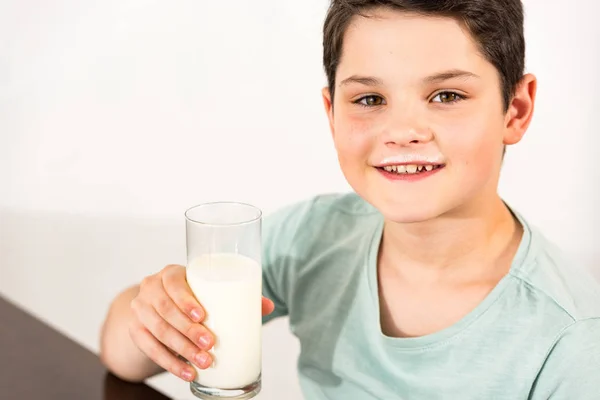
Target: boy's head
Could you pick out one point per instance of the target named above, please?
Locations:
(418, 82)
(495, 25)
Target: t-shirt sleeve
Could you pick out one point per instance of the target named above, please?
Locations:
(280, 254)
(572, 368)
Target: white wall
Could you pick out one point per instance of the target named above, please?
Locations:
(117, 115)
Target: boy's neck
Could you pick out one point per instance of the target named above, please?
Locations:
(467, 245)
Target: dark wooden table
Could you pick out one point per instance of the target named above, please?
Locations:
(37, 362)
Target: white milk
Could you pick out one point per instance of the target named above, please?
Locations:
(229, 288)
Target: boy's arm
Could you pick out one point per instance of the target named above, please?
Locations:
(149, 324)
(121, 355)
(572, 369)
(117, 351)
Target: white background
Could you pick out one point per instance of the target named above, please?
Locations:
(117, 115)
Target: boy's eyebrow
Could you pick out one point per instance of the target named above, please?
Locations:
(435, 78)
(363, 80)
(450, 74)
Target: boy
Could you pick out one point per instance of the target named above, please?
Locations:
(424, 284)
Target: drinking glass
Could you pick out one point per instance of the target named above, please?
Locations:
(224, 272)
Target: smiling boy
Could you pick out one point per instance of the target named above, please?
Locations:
(424, 284)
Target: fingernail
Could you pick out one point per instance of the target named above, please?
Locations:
(187, 374)
(203, 360)
(204, 342)
(196, 315)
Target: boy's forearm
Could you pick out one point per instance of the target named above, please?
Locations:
(117, 351)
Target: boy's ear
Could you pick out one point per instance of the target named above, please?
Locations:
(520, 110)
(328, 103)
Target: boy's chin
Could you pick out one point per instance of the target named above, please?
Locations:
(408, 217)
(413, 213)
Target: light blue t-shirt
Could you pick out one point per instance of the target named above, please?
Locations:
(536, 336)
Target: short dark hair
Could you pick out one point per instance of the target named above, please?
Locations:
(495, 25)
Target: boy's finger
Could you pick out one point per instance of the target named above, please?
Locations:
(158, 353)
(175, 284)
(173, 339)
(267, 306)
(197, 333)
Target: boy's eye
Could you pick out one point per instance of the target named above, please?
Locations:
(370, 101)
(447, 97)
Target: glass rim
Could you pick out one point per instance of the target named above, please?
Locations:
(224, 224)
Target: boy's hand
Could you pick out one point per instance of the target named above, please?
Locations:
(168, 322)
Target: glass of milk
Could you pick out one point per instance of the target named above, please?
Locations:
(224, 272)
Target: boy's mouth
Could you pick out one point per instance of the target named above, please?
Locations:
(410, 169)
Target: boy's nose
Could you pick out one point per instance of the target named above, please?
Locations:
(407, 136)
(405, 127)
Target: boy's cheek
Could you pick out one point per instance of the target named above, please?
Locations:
(353, 153)
(350, 148)
(476, 152)
(354, 137)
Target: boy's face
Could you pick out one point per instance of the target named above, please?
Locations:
(414, 90)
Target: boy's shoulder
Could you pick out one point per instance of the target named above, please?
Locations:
(321, 218)
(559, 278)
(321, 210)
(345, 203)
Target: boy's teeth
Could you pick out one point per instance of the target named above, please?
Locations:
(410, 169)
